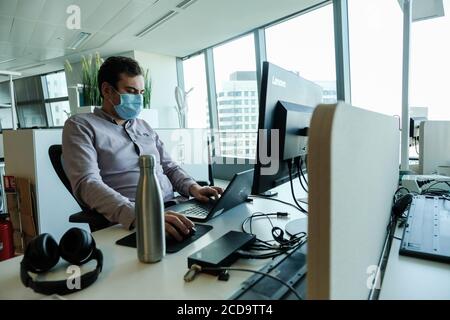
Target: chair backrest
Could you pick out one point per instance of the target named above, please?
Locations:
(55, 153)
(95, 220)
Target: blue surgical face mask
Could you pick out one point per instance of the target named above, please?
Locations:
(130, 105)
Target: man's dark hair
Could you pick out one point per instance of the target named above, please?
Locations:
(113, 67)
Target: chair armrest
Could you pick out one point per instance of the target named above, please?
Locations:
(93, 218)
(79, 217)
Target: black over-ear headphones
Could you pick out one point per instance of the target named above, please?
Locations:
(76, 247)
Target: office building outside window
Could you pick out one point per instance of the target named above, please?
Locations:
(235, 75)
(305, 46)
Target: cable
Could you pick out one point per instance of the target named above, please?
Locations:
(299, 175)
(292, 189)
(400, 189)
(256, 215)
(257, 272)
(281, 246)
(301, 171)
(416, 139)
(264, 245)
(278, 200)
(436, 191)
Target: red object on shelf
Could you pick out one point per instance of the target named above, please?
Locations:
(6, 238)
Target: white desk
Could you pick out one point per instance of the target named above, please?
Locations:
(124, 277)
(413, 278)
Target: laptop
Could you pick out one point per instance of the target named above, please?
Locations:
(236, 193)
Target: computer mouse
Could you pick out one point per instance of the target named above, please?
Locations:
(192, 231)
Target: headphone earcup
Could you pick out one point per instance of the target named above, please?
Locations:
(76, 246)
(42, 253)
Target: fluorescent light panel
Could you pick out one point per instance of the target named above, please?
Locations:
(29, 67)
(81, 38)
(8, 60)
(186, 3)
(157, 23)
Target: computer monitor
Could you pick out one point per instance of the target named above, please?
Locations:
(285, 108)
(434, 147)
(286, 102)
(414, 126)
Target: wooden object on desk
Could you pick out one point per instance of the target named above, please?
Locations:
(434, 146)
(21, 208)
(353, 162)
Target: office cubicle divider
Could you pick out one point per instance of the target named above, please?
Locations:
(353, 172)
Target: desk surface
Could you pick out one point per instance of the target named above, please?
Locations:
(414, 278)
(124, 277)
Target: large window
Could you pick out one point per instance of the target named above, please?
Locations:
(430, 65)
(5, 106)
(305, 45)
(30, 102)
(56, 98)
(375, 36)
(237, 98)
(42, 101)
(197, 93)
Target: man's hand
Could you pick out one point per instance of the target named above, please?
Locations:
(177, 225)
(204, 193)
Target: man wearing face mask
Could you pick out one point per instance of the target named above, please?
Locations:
(101, 152)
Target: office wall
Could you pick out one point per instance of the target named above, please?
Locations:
(163, 72)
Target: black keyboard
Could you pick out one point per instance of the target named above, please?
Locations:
(195, 211)
(427, 231)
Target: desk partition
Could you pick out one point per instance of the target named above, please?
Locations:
(353, 162)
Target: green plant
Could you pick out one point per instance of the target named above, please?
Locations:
(147, 89)
(89, 69)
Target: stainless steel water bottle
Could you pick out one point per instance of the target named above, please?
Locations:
(149, 207)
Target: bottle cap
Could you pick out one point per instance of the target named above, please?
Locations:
(147, 161)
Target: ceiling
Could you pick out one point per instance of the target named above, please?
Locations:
(34, 33)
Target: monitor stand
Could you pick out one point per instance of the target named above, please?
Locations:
(296, 226)
(269, 194)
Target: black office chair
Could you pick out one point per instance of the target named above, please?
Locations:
(95, 220)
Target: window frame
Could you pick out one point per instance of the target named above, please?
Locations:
(221, 167)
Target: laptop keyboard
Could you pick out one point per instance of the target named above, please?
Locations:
(195, 211)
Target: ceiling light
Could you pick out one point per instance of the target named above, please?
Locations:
(157, 23)
(29, 67)
(80, 39)
(185, 3)
(8, 60)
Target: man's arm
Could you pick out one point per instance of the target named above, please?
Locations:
(81, 167)
(180, 180)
